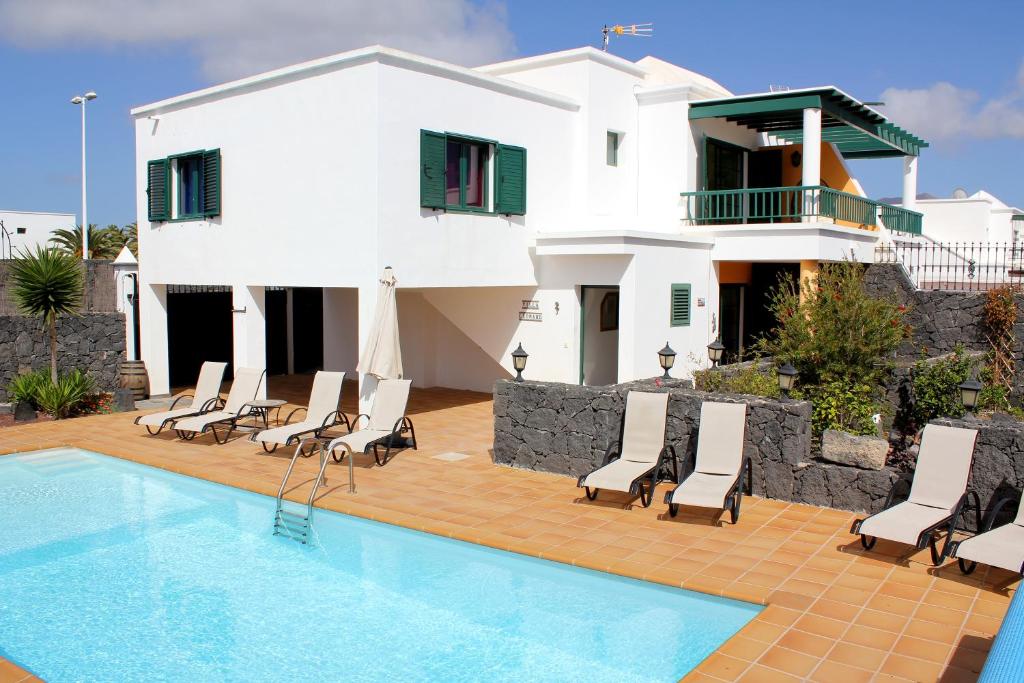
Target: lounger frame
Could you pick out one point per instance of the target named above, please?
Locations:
(651, 476)
(402, 425)
(926, 539)
(210, 405)
(967, 567)
(333, 420)
(733, 499)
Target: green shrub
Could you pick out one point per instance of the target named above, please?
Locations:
(831, 329)
(755, 380)
(62, 398)
(937, 386)
(25, 388)
(845, 406)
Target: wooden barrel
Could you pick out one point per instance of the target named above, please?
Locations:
(135, 377)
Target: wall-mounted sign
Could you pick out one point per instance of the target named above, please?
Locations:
(533, 316)
(531, 305)
(700, 302)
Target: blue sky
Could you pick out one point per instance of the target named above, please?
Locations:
(951, 73)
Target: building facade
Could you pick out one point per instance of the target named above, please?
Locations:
(25, 230)
(585, 206)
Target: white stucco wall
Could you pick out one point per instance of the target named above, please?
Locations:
(37, 226)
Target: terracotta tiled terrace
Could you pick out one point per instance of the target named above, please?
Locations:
(834, 613)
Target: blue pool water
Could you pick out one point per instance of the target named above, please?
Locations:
(111, 570)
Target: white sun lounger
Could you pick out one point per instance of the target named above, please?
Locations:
(1001, 547)
(640, 455)
(719, 466)
(937, 498)
(205, 398)
(385, 424)
(323, 412)
(243, 390)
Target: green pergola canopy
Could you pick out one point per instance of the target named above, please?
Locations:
(855, 129)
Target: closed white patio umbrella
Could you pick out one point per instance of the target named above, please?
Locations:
(382, 356)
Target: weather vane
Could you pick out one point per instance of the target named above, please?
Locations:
(637, 30)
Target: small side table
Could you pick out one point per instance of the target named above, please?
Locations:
(261, 409)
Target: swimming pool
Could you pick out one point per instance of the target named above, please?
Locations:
(110, 570)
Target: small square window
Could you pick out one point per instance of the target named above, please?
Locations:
(612, 150)
(22, 231)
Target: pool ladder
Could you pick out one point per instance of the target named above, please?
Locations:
(293, 524)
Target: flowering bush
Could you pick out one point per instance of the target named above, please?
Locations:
(831, 329)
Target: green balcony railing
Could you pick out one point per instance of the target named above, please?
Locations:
(793, 204)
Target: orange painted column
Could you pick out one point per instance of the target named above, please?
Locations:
(808, 272)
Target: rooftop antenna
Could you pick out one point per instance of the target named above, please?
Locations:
(637, 30)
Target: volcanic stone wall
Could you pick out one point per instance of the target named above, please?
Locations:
(92, 342)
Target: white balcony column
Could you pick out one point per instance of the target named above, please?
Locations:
(153, 329)
(811, 167)
(910, 182)
(249, 325)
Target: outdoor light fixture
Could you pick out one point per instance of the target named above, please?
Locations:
(667, 358)
(969, 391)
(787, 378)
(519, 361)
(715, 351)
(81, 100)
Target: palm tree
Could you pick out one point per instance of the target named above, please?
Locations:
(102, 243)
(47, 284)
(131, 238)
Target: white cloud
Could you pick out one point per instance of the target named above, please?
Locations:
(234, 38)
(945, 112)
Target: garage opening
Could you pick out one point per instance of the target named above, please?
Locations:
(199, 329)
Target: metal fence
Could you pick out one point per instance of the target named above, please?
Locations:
(965, 266)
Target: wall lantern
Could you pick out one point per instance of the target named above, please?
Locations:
(787, 378)
(969, 391)
(667, 358)
(715, 351)
(519, 361)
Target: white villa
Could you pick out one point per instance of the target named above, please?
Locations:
(23, 231)
(586, 206)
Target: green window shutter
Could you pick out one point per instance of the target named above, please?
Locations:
(211, 182)
(680, 305)
(510, 183)
(432, 165)
(158, 188)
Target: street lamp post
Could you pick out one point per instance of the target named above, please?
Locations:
(81, 100)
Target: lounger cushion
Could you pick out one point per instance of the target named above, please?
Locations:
(720, 438)
(390, 399)
(944, 463)
(283, 433)
(1001, 547)
(197, 423)
(358, 441)
(643, 429)
(904, 522)
(158, 418)
(617, 475)
(701, 489)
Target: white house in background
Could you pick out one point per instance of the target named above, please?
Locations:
(586, 206)
(25, 230)
(980, 217)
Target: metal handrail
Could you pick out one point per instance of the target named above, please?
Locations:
(791, 204)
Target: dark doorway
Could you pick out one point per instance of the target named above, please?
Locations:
(765, 277)
(732, 309)
(199, 329)
(276, 313)
(308, 323)
(723, 165)
(599, 335)
(765, 168)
